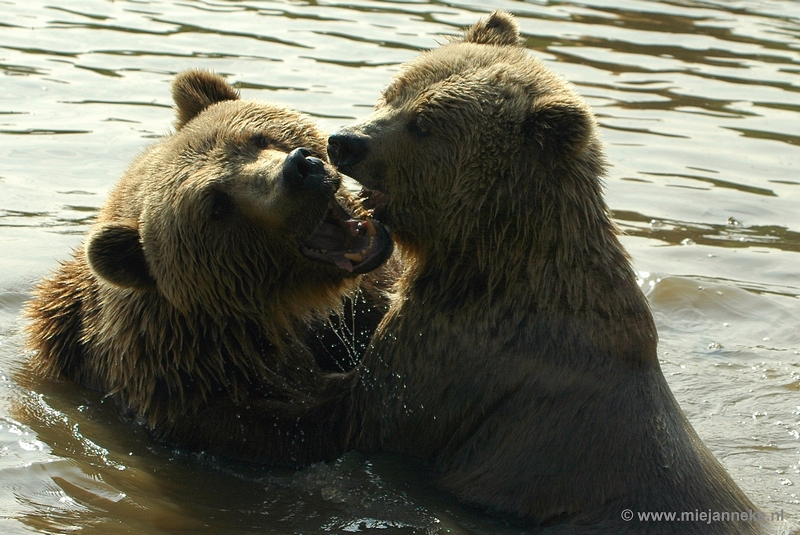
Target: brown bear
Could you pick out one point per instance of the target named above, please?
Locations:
(218, 248)
(519, 354)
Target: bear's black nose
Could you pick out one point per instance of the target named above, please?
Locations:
(300, 170)
(346, 149)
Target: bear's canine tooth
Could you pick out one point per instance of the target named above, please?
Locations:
(371, 230)
(355, 257)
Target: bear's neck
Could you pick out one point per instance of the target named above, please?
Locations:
(571, 274)
(163, 363)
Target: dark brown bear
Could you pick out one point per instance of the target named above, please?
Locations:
(519, 354)
(192, 299)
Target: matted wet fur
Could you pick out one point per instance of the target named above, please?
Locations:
(519, 354)
(193, 302)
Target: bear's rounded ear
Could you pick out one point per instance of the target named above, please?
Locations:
(499, 29)
(561, 127)
(195, 90)
(115, 253)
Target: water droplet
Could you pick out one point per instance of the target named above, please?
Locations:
(332, 494)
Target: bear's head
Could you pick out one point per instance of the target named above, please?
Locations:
(479, 148)
(234, 212)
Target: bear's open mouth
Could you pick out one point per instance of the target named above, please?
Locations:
(355, 245)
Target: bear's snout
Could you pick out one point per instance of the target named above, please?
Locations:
(301, 170)
(346, 149)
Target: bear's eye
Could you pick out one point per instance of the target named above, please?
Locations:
(260, 141)
(222, 205)
(418, 127)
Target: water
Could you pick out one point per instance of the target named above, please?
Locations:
(699, 104)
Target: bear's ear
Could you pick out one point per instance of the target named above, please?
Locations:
(561, 127)
(193, 91)
(115, 253)
(499, 29)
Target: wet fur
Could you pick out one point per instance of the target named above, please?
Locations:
(519, 354)
(194, 325)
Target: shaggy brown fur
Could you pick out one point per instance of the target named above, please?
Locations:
(519, 354)
(191, 301)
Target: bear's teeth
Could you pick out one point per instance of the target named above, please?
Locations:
(355, 257)
(354, 227)
(371, 230)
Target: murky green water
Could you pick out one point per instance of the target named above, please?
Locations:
(699, 103)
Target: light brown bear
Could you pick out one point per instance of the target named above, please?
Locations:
(192, 299)
(519, 354)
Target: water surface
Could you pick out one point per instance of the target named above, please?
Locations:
(699, 105)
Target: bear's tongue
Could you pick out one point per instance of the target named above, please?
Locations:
(351, 244)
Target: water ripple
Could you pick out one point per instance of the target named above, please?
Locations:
(698, 103)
